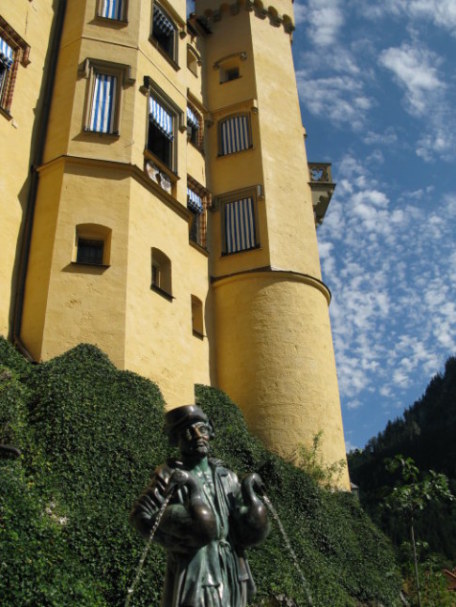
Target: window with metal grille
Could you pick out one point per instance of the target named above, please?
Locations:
(90, 251)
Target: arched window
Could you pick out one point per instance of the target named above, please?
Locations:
(92, 244)
(197, 316)
(192, 60)
(161, 272)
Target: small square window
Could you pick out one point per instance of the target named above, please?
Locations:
(90, 251)
(92, 244)
(228, 74)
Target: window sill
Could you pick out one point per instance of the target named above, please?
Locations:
(114, 135)
(162, 292)
(250, 148)
(5, 113)
(198, 335)
(199, 247)
(197, 147)
(118, 23)
(164, 54)
(232, 80)
(102, 266)
(162, 166)
(255, 248)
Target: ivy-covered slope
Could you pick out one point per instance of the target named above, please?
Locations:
(90, 436)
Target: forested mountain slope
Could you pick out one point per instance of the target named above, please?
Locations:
(427, 433)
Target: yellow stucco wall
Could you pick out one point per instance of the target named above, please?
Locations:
(32, 21)
(159, 339)
(267, 337)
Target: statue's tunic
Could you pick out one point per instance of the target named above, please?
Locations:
(217, 573)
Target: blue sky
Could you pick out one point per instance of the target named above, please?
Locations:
(377, 84)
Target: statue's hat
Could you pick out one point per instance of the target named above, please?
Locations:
(179, 418)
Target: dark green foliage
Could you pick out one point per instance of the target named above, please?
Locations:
(344, 558)
(426, 434)
(91, 436)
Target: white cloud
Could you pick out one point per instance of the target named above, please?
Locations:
(415, 70)
(324, 19)
(389, 265)
(340, 98)
(442, 13)
(300, 12)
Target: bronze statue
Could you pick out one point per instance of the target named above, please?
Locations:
(210, 519)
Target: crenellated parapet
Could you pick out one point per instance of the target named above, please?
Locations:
(279, 14)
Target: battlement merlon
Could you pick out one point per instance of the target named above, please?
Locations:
(279, 12)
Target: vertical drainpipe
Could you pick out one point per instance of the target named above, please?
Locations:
(42, 121)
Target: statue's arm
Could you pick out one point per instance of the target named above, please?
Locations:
(148, 505)
(186, 523)
(250, 518)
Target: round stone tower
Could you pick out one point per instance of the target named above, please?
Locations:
(272, 351)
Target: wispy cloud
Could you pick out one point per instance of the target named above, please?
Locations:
(324, 19)
(415, 70)
(393, 314)
(441, 13)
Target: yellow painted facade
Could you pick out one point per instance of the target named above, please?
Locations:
(180, 240)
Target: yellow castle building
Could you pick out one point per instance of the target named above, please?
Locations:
(157, 202)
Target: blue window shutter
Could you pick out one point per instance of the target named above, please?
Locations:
(239, 225)
(194, 201)
(235, 135)
(112, 9)
(103, 104)
(6, 54)
(192, 118)
(161, 118)
(161, 22)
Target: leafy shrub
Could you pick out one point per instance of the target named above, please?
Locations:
(91, 436)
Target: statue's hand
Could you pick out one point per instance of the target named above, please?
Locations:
(253, 483)
(178, 479)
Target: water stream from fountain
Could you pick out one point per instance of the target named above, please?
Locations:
(132, 588)
(294, 558)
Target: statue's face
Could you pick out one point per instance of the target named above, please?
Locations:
(194, 440)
